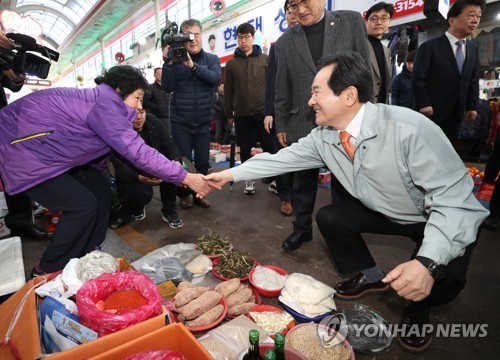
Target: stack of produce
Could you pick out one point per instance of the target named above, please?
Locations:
(236, 264)
(239, 297)
(213, 245)
(197, 306)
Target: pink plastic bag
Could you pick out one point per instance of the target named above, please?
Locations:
(100, 288)
(157, 355)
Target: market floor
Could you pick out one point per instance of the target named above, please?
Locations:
(253, 223)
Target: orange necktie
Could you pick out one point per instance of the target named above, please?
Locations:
(348, 146)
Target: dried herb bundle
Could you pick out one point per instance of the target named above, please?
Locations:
(213, 244)
(236, 264)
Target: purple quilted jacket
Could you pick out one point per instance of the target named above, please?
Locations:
(48, 132)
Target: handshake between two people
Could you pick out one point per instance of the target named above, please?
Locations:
(203, 185)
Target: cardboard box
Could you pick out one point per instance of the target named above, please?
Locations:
(25, 336)
(172, 337)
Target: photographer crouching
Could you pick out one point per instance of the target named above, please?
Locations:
(192, 75)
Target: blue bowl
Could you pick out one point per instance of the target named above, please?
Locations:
(302, 318)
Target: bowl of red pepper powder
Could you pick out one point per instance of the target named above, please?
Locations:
(114, 301)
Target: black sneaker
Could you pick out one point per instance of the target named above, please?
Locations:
(173, 221)
(139, 213)
(119, 223)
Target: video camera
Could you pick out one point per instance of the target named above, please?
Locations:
(22, 62)
(170, 36)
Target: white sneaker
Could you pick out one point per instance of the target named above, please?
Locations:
(272, 187)
(249, 187)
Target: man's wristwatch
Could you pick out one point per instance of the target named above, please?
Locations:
(195, 66)
(438, 271)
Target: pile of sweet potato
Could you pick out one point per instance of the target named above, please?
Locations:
(197, 306)
(239, 297)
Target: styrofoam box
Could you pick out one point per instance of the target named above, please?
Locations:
(11, 265)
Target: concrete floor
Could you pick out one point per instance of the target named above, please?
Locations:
(253, 223)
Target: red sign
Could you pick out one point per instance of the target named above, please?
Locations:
(407, 7)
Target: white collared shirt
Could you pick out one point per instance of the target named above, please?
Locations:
(454, 46)
(354, 126)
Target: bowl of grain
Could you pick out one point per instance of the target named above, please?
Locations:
(199, 266)
(317, 342)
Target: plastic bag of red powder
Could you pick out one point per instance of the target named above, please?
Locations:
(100, 288)
(157, 355)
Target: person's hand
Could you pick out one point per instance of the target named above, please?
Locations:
(268, 123)
(427, 111)
(13, 76)
(217, 180)
(166, 54)
(282, 139)
(189, 63)
(470, 115)
(230, 121)
(411, 280)
(149, 181)
(197, 183)
(5, 42)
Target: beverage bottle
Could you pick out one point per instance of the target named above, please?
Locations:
(279, 346)
(253, 351)
(269, 355)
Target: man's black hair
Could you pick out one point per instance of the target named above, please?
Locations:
(380, 6)
(457, 8)
(190, 23)
(286, 5)
(245, 28)
(124, 77)
(349, 70)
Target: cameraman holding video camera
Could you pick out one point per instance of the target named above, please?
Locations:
(192, 75)
(19, 219)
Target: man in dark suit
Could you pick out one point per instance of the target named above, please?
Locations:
(319, 32)
(446, 70)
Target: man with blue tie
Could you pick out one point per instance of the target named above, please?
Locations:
(446, 70)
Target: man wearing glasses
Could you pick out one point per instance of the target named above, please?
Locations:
(244, 90)
(319, 32)
(378, 18)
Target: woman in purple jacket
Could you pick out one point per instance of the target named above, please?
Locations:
(54, 145)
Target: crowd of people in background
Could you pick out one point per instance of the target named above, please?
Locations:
(324, 97)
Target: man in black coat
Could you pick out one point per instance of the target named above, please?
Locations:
(134, 189)
(446, 70)
(158, 101)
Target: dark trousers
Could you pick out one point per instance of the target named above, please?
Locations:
(450, 124)
(284, 182)
(491, 172)
(249, 129)
(305, 188)
(341, 225)
(83, 195)
(138, 195)
(20, 211)
(197, 138)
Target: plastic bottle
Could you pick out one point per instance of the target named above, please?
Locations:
(253, 351)
(279, 346)
(269, 355)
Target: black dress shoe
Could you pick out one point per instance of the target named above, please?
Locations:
(492, 222)
(414, 337)
(30, 231)
(357, 286)
(295, 240)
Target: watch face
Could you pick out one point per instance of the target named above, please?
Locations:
(438, 271)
